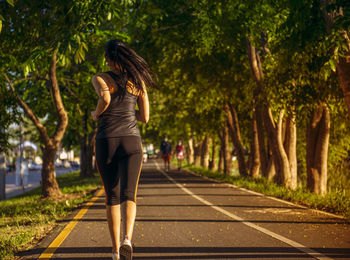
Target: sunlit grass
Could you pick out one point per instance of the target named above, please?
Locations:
(334, 202)
(25, 219)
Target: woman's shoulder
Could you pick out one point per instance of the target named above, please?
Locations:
(102, 75)
(108, 80)
(98, 79)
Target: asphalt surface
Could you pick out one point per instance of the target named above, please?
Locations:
(184, 216)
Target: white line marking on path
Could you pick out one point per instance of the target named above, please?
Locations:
(266, 196)
(292, 243)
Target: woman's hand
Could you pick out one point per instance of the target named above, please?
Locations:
(94, 115)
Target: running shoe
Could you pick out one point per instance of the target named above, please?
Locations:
(126, 250)
(115, 256)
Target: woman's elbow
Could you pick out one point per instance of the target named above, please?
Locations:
(105, 100)
(144, 119)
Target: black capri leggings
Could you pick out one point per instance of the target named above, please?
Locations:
(119, 161)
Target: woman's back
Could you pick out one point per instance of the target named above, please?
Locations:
(119, 118)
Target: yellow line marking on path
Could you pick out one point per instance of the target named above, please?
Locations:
(50, 250)
(290, 242)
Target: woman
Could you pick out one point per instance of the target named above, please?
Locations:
(179, 150)
(118, 141)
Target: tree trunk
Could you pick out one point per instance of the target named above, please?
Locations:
(190, 151)
(256, 68)
(283, 156)
(317, 150)
(221, 151)
(221, 160)
(275, 132)
(50, 187)
(255, 65)
(226, 151)
(254, 156)
(212, 164)
(86, 154)
(271, 168)
(197, 153)
(233, 127)
(205, 152)
(2, 176)
(87, 142)
(49, 184)
(265, 161)
(290, 146)
(57, 100)
(271, 134)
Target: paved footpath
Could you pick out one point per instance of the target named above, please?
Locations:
(184, 216)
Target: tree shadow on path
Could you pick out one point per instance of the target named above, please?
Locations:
(190, 252)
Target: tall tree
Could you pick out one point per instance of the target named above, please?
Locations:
(315, 43)
(336, 18)
(199, 49)
(47, 34)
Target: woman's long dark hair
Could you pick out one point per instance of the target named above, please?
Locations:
(132, 66)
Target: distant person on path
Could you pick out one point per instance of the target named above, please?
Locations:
(165, 148)
(179, 151)
(118, 141)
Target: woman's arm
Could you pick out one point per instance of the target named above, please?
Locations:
(143, 113)
(104, 96)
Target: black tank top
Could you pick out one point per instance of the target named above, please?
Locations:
(119, 119)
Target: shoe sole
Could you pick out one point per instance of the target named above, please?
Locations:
(115, 257)
(125, 252)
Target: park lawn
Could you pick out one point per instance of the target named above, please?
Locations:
(24, 220)
(333, 202)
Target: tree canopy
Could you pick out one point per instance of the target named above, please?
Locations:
(271, 75)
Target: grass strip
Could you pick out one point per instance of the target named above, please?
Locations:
(333, 202)
(25, 219)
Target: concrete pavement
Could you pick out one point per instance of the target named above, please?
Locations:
(184, 216)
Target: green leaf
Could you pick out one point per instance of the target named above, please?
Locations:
(83, 44)
(326, 74)
(76, 57)
(10, 2)
(26, 70)
(336, 49)
(109, 16)
(333, 66)
(0, 25)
